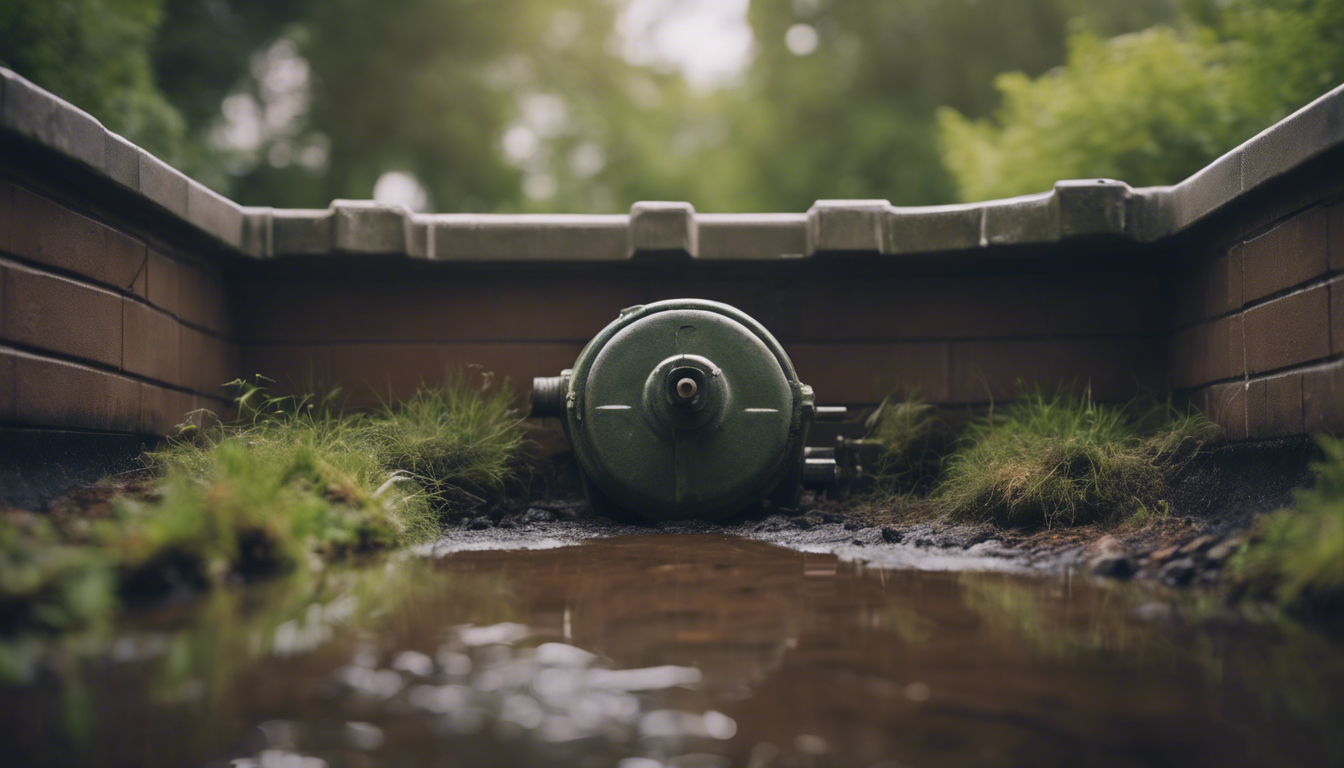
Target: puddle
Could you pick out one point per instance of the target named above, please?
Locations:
(677, 650)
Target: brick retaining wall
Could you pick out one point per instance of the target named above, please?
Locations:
(130, 293)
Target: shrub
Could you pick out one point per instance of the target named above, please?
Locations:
(1298, 554)
(1063, 459)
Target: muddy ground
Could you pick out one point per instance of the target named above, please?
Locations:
(1219, 496)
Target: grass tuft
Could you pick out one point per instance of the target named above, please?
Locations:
(1063, 459)
(912, 444)
(1298, 554)
(295, 481)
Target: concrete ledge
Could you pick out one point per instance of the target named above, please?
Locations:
(1088, 208)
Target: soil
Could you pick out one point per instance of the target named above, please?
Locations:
(1220, 495)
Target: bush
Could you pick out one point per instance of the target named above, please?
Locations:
(1063, 459)
(1152, 107)
(1298, 554)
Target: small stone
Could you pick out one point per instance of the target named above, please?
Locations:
(1198, 545)
(538, 515)
(891, 535)
(829, 518)
(1178, 573)
(858, 542)
(1163, 555)
(1112, 566)
(1153, 611)
(850, 525)
(479, 524)
(1106, 545)
(801, 522)
(1221, 552)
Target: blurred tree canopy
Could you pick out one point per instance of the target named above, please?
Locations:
(485, 105)
(1151, 107)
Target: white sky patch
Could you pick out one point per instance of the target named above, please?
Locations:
(708, 41)
(400, 188)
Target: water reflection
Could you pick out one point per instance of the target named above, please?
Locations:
(683, 650)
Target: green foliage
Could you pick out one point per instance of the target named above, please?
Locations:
(95, 54)
(912, 445)
(1299, 554)
(1149, 108)
(454, 441)
(1062, 459)
(296, 481)
(47, 583)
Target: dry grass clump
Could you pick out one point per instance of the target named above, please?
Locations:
(1298, 554)
(1063, 459)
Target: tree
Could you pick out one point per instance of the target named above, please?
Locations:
(95, 54)
(1153, 107)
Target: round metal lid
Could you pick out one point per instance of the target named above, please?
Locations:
(687, 413)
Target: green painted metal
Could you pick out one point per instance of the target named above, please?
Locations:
(687, 409)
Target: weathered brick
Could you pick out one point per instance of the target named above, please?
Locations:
(162, 282)
(206, 361)
(367, 372)
(126, 257)
(1114, 369)
(150, 342)
(1335, 226)
(7, 217)
(294, 368)
(52, 313)
(162, 409)
(1288, 331)
(1227, 347)
(53, 393)
(1336, 289)
(6, 385)
(201, 298)
(866, 373)
(50, 234)
(1323, 400)
(1290, 254)
(1226, 407)
(1188, 294)
(1274, 407)
(1224, 288)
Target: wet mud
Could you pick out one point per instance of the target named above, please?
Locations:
(693, 649)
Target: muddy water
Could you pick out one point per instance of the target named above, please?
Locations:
(682, 650)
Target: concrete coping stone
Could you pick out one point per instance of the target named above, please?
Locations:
(1073, 209)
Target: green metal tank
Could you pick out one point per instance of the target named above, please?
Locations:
(683, 409)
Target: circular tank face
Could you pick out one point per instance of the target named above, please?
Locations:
(684, 413)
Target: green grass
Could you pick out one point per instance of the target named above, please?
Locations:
(1063, 459)
(295, 482)
(912, 443)
(1298, 554)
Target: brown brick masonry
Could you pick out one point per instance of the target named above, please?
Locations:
(129, 293)
(1263, 353)
(99, 332)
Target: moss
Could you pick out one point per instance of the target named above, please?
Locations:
(1063, 459)
(1297, 555)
